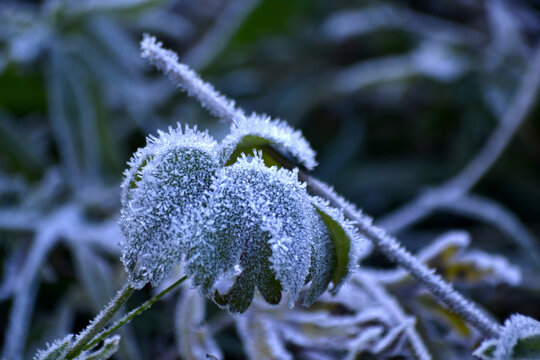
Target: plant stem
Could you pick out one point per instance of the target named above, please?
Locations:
(442, 290)
(100, 321)
(132, 314)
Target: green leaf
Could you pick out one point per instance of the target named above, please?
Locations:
(109, 348)
(527, 348)
(519, 339)
(342, 244)
(247, 145)
(55, 351)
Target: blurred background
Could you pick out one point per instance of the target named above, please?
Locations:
(397, 97)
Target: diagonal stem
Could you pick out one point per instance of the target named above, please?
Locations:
(132, 314)
(442, 290)
(100, 321)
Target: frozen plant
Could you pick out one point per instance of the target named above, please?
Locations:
(245, 219)
(224, 108)
(236, 221)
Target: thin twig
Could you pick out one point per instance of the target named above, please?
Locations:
(100, 321)
(457, 186)
(132, 314)
(442, 290)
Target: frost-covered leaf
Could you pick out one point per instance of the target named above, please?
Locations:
(322, 329)
(109, 348)
(448, 254)
(193, 337)
(519, 340)
(162, 193)
(255, 132)
(346, 241)
(55, 351)
(258, 235)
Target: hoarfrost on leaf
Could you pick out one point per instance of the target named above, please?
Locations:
(55, 351)
(164, 189)
(258, 224)
(257, 131)
(109, 348)
(519, 340)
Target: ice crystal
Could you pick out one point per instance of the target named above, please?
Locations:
(258, 234)
(519, 340)
(163, 190)
(241, 227)
(256, 131)
(109, 348)
(55, 351)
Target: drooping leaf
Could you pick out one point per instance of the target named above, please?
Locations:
(257, 235)
(162, 194)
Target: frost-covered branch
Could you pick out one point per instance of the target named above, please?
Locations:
(183, 76)
(48, 233)
(221, 106)
(344, 25)
(100, 321)
(443, 291)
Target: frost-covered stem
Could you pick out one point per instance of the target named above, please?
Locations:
(510, 122)
(183, 76)
(100, 321)
(132, 314)
(443, 291)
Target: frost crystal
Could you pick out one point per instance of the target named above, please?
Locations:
(519, 340)
(256, 131)
(55, 351)
(260, 235)
(241, 228)
(163, 191)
